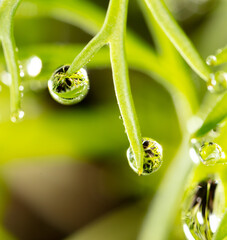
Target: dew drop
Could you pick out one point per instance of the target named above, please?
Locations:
(34, 66)
(203, 209)
(211, 60)
(207, 152)
(152, 157)
(217, 82)
(17, 116)
(68, 89)
(21, 88)
(211, 153)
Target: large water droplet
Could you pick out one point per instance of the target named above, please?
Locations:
(17, 116)
(152, 157)
(217, 82)
(68, 89)
(203, 209)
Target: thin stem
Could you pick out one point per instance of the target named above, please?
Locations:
(121, 81)
(178, 37)
(102, 38)
(87, 53)
(113, 32)
(13, 68)
(7, 11)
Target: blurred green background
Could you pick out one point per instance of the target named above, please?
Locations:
(63, 169)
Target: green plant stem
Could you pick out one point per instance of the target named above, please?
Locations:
(121, 80)
(13, 68)
(113, 32)
(87, 53)
(220, 57)
(178, 37)
(7, 11)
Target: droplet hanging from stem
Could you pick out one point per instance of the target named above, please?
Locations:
(68, 89)
(152, 160)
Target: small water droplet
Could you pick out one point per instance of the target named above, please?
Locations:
(21, 88)
(211, 60)
(34, 66)
(207, 152)
(217, 82)
(68, 89)
(17, 116)
(152, 157)
(203, 209)
(211, 153)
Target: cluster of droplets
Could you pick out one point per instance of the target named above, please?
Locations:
(203, 209)
(30, 68)
(217, 82)
(68, 88)
(152, 157)
(207, 152)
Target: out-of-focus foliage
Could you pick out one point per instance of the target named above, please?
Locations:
(64, 168)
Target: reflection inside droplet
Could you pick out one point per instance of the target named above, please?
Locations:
(203, 209)
(34, 66)
(152, 159)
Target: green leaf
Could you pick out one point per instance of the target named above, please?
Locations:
(216, 115)
(178, 37)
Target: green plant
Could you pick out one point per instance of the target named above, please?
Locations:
(176, 79)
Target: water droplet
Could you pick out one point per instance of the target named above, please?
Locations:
(203, 209)
(211, 60)
(211, 153)
(68, 89)
(6, 78)
(34, 66)
(207, 152)
(217, 82)
(152, 157)
(17, 116)
(21, 88)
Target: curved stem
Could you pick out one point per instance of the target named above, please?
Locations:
(113, 32)
(178, 37)
(87, 53)
(13, 68)
(121, 81)
(7, 11)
